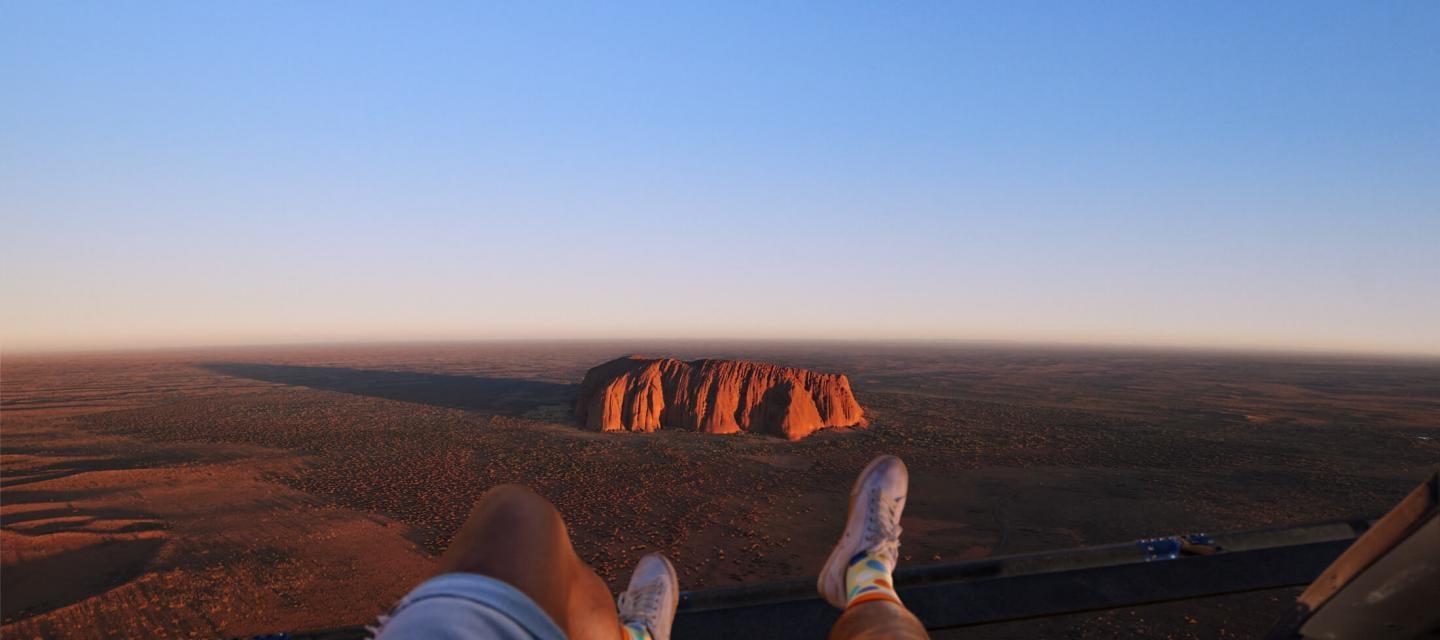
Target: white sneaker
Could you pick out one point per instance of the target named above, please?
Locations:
(653, 594)
(876, 501)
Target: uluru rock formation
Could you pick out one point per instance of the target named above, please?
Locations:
(714, 396)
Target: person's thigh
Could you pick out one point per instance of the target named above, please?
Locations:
(517, 536)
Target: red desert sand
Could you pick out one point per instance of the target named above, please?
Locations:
(715, 396)
(227, 493)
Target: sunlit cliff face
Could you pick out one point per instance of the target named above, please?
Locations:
(715, 396)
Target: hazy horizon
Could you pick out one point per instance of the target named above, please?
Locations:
(645, 346)
(1227, 176)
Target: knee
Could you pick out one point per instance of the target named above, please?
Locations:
(515, 496)
(515, 536)
(518, 505)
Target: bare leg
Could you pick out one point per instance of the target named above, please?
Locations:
(876, 620)
(518, 537)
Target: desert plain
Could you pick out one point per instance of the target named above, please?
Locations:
(242, 491)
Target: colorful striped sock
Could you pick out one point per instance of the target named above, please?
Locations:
(868, 579)
(635, 631)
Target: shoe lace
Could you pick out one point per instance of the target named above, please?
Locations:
(882, 530)
(641, 604)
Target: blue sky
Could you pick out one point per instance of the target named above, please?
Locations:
(1225, 174)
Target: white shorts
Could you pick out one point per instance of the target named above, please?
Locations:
(468, 606)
